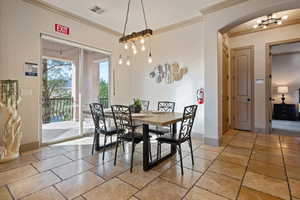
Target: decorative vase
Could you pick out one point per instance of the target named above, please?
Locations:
(135, 109)
(10, 121)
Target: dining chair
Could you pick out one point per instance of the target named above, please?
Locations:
(123, 121)
(184, 135)
(101, 126)
(145, 105)
(163, 106)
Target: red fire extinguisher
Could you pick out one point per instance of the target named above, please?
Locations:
(200, 96)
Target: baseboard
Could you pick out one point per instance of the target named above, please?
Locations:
(212, 141)
(260, 130)
(197, 135)
(29, 146)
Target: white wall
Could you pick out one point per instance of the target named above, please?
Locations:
(286, 72)
(259, 40)
(20, 27)
(185, 47)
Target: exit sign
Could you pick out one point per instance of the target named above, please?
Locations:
(62, 29)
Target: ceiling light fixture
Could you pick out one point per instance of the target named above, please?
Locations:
(269, 20)
(140, 36)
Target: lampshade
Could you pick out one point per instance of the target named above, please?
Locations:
(283, 90)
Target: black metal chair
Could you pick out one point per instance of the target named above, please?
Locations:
(123, 122)
(145, 105)
(183, 136)
(101, 126)
(163, 106)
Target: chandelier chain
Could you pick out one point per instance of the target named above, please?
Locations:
(126, 20)
(145, 19)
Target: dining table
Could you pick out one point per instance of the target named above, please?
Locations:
(146, 119)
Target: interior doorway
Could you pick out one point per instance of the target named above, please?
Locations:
(284, 87)
(73, 76)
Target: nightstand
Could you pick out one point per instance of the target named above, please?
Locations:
(285, 112)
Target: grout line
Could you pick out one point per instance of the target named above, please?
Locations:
(285, 170)
(10, 192)
(242, 180)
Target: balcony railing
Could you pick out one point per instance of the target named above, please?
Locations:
(57, 109)
(104, 102)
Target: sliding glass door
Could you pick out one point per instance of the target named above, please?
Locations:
(72, 78)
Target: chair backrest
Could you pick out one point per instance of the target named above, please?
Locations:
(122, 117)
(166, 106)
(145, 105)
(187, 122)
(98, 116)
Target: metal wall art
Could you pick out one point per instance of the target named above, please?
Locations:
(168, 73)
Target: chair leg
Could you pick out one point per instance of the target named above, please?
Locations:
(157, 151)
(116, 151)
(131, 161)
(191, 148)
(94, 141)
(180, 154)
(150, 153)
(104, 147)
(123, 144)
(111, 139)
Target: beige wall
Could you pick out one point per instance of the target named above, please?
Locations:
(20, 27)
(184, 46)
(259, 41)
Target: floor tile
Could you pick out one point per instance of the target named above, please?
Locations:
(186, 180)
(166, 164)
(228, 169)
(138, 177)
(238, 151)
(109, 170)
(238, 143)
(47, 194)
(19, 162)
(205, 154)
(268, 158)
(114, 189)
(197, 193)
(4, 194)
(200, 164)
(293, 172)
(71, 169)
(51, 163)
(161, 189)
(269, 185)
(96, 159)
(79, 198)
(220, 184)
(16, 174)
(33, 184)
(75, 155)
(292, 160)
(250, 194)
(79, 184)
(261, 148)
(295, 187)
(49, 153)
(234, 158)
(212, 148)
(266, 169)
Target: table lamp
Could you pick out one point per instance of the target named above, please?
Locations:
(282, 90)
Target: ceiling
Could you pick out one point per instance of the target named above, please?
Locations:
(294, 17)
(159, 13)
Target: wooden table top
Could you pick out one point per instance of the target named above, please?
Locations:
(151, 117)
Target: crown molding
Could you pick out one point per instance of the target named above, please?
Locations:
(178, 25)
(220, 6)
(72, 16)
(252, 30)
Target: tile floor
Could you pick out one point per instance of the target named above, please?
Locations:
(247, 166)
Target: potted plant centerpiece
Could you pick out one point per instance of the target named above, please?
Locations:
(136, 107)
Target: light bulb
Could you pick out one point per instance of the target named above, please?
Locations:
(258, 21)
(150, 58)
(133, 46)
(128, 62)
(142, 41)
(120, 60)
(134, 51)
(274, 16)
(264, 26)
(143, 48)
(255, 26)
(279, 22)
(126, 46)
(285, 17)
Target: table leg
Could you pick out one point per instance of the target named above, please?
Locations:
(145, 147)
(174, 132)
(97, 145)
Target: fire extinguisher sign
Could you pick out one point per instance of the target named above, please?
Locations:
(200, 96)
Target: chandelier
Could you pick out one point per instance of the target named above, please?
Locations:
(135, 41)
(269, 20)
